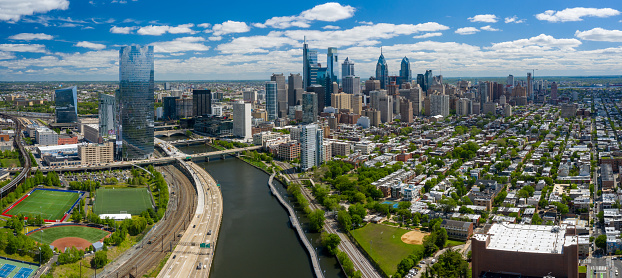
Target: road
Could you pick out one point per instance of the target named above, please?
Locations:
(148, 253)
(188, 253)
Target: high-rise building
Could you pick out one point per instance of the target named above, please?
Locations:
(421, 81)
(382, 71)
(351, 84)
(320, 93)
(483, 92)
(439, 105)
(405, 72)
(507, 110)
(170, 108)
(371, 84)
(311, 146)
(242, 119)
(554, 92)
(281, 94)
(309, 107)
(201, 102)
(510, 81)
(463, 107)
(385, 104)
(309, 64)
(347, 68)
(184, 108)
(66, 101)
(271, 100)
(332, 65)
(135, 102)
(106, 115)
(529, 86)
(489, 107)
(294, 96)
(427, 81)
(416, 97)
(342, 101)
(357, 103)
(406, 111)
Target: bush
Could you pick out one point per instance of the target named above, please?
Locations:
(100, 259)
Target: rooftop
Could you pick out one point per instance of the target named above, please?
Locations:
(527, 238)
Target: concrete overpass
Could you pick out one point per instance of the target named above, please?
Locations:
(170, 132)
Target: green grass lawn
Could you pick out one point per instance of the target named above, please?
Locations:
(50, 204)
(10, 162)
(384, 244)
(131, 200)
(452, 243)
(47, 236)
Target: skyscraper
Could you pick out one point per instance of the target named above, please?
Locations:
(439, 105)
(201, 102)
(106, 115)
(309, 65)
(66, 101)
(271, 101)
(294, 89)
(135, 102)
(169, 105)
(332, 72)
(554, 92)
(347, 68)
(309, 107)
(242, 119)
(428, 79)
(529, 86)
(351, 84)
(421, 81)
(382, 71)
(281, 94)
(311, 146)
(405, 72)
(510, 81)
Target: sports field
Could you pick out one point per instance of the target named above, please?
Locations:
(49, 235)
(121, 200)
(15, 269)
(50, 204)
(384, 244)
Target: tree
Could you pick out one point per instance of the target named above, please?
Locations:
(76, 216)
(331, 241)
(316, 220)
(345, 220)
(441, 238)
(601, 241)
(100, 259)
(46, 252)
(447, 204)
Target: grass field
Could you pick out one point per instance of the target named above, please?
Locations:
(51, 234)
(50, 204)
(132, 200)
(10, 162)
(384, 245)
(17, 268)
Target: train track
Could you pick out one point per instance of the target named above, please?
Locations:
(158, 242)
(18, 142)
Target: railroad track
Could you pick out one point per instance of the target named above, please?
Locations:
(155, 246)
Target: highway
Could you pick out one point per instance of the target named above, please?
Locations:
(188, 254)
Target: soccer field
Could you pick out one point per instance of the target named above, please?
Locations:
(49, 235)
(50, 204)
(122, 200)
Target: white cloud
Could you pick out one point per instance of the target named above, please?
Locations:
(13, 10)
(257, 44)
(18, 47)
(31, 37)
(94, 46)
(467, 30)
(215, 38)
(331, 27)
(491, 18)
(600, 34)
(540, 42)
(181, 45)
(328, 12)
(489, 28)
(153, 30)
(229, 27)
(575, 14)
(513, 19)
(182, 29)
(204, 25)
(122, 30)
(428, 35)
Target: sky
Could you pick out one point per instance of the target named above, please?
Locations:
(79, 40)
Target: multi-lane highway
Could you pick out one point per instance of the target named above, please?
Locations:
(190, 259)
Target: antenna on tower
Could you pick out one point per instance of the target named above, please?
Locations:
(304, 39)
(381, 50)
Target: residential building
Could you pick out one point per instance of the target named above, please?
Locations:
(309, 107)
(342, 101)
(289, 151)
(311, 146)
(242, 119)
(406, 111)
(351, 84)
(385, 104)
(66, 101)
(569, 110)
(507, 110)
(356, 101)
(463, 107)
(372, 85)
(489, 107)
(271, 100)
(439, 105)
(281, 94)
(96, 153)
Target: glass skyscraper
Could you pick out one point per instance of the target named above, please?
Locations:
(382, 72)
(135, 102)
(271, 101)
(309, 65)
(66, 101)
(405, 72)
(106, 115)
(332, 71)
(347, 68)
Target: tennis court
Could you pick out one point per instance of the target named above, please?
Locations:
(6, 269)
(122, 200)
(16, 269)
(51, 204)
(23, 273)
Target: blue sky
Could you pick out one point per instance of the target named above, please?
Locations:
(45, 40)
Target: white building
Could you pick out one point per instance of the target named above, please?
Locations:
(242, 119)
(311, 146)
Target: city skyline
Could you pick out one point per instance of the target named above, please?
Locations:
(70, 40)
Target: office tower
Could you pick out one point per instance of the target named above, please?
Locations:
(281, 94)
(341, 101)
(439, 105)
(386, 108)
(332, 64)
(554, 92)
(405, 72)
(242, 119)
(374, 97)
(463, 107)
(347, 68)
(271, 100)
(106, 115)
(184, 108)
(483, 92)
(309, 107)
(311, 146)
(427, 81)
(489, 107)
(373, 116)
(529, 86)
(294, 81)
(421, 81)
(372, 85)
(201, 102)
(249, 96)
(309, 64)
(167, 86)
(170, 108)
(320, 93)
(356, 102)
(416, 97)
(382, 71)
(66, 101)
(502, 100)
(351, 84)
(406, 111)
(135, 102)
(510, 81)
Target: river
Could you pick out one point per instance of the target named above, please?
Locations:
(255, 239)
